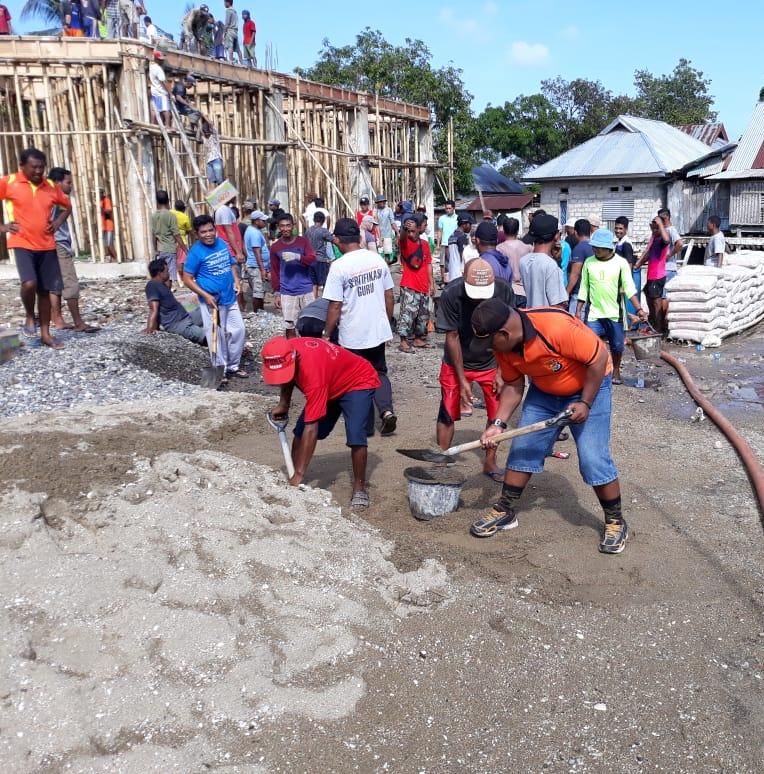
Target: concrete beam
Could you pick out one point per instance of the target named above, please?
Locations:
(358, 140)
(276, 173)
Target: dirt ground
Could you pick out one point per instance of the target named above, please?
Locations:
(546, 656)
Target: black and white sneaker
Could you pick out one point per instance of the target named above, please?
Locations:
(614, 537)
(493, 521)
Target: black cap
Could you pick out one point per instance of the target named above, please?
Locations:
(487, 233)
(465, 217)
(542, 229)
(489, 317)
(364, 200)
(346, 228)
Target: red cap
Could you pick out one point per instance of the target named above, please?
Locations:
(278, 361)
(158, 55)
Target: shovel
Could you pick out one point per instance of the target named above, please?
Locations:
(447, 456)
(280, 426)
(212, 376)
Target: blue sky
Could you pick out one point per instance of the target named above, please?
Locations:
(506, 48)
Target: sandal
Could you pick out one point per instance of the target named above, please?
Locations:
(563, 436)
(406, 349)
(360, 499)
(29, 331)
(87, 329)
(560, 455)
(238, 373)
(494, 475)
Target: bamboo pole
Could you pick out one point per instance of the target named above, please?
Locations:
(110, 161)
(87, 87)
(20, 108)
(451, 157)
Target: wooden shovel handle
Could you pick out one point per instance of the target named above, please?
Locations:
(505, 436)
(214, 334)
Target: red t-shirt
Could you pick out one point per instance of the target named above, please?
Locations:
(360, 215)
(5, 20)
(326, 371)
(249, 32)
(415, 279)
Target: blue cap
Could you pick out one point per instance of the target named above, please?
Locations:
(603, 237)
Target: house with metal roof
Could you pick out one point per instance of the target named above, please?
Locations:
(624, 170)
(711, 133)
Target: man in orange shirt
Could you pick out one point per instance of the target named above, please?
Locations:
(107, 225)
(569, 368)
(30, 199)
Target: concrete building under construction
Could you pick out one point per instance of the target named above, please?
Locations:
(86, 104)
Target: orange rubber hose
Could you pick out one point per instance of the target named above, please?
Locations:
(741, 446)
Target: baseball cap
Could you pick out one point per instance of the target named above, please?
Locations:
(278, 361)
(274, 202)
(346, 228)
(489, 317)
(542, 229)
(369, 219)
(487, 233)
(158, 55)
(258, 215)
(602, 237)
(595, 220)
(364, 200)
(465, 217)
(478, 279)
(380, 198)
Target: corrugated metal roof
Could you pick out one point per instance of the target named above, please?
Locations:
(488, 180)
(627, 147)
(712, 134)
(750, 143)
(739, 174)
(500, 202)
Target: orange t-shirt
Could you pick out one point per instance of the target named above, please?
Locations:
(107, 224)
(31, 207)
(556, 351)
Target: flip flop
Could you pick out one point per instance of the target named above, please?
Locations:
(54, 344)
(563, 436)
(494, 475)
(239, 374)
(87, 329)
(360, 499)
(617, 381)
(29, 331)
(560, 455)
(406, 350)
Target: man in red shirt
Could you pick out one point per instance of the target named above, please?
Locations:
(30, 199)
(250, 30)
(335, 382)
(417, 286)
(5, 20)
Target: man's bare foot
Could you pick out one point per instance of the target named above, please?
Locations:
(49, 341)
(404, 346)
(61, 325)
(83, 328)
(421, 344)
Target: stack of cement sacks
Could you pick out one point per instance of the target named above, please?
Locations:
(706, 304)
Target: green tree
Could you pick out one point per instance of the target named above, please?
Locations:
(681, 97)
(404, 72)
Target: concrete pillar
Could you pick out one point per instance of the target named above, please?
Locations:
(276, 179)
(425, 176)
(359, 143)
(133, 98)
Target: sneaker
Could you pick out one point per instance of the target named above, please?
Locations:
(389, 423)
(494, 521)
(614, 537)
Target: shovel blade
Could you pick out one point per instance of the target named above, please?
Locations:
(427, 455)
(212, 377)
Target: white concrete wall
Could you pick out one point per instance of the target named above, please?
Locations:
(585, 197)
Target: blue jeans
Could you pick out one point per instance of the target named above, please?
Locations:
(592, 438)
(215, 171)
(357, 409)
(612, 330)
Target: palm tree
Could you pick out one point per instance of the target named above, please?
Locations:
(47, 10)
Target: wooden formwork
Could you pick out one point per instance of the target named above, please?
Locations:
(86, 104)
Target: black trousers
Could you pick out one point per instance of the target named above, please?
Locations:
(383, 395)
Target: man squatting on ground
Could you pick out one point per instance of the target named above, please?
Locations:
(166, 310)
(568, 367)
(210, 271)
(335, 382)
(467, 358)
(359, 289)
(30, 199)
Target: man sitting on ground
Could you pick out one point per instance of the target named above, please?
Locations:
(335, 383)
(466, 358)
(166, 311)
(569, 368)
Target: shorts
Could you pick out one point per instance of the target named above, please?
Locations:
(41, 267)
(528, 452)
(108, 238)
(319, 272)
(291, 306)
(252, 282)
(355, 407)
(171, 259)
(450, 395)
(612, 330)
(249, 52)
(71, 286)
(387, 245)
(215, 172)
(655, 288)
(669, 276)
(712, 260)
(161, 103)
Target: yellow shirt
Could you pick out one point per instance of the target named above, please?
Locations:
(184, 225)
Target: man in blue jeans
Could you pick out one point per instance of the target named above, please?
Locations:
(569, 368)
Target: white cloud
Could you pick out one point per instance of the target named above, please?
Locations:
(528, 54)
(571, 32)
(449, 18)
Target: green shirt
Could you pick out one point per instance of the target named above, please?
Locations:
(164, 227)
(601, 282)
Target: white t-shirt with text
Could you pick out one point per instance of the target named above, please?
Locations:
(359, 280)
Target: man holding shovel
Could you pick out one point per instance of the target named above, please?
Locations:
(210, 272)
(569, 368)
(335, 383)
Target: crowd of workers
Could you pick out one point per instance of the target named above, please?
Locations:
(550, 307)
